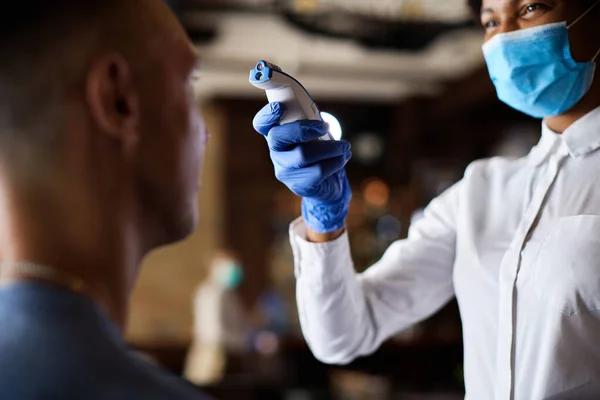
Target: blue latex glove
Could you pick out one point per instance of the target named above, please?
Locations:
(311, 169)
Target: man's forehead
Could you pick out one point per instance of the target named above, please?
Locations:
(164, 33)
(195, 54)
(162, 36)
(178, 55)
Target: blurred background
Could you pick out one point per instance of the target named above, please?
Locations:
(407, 83)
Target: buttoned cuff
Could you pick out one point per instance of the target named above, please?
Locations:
(321, 264)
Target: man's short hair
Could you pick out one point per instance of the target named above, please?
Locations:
(43, 50)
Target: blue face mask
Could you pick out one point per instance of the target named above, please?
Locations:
(533, 70)
(229, 274)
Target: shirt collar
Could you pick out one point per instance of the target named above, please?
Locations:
(580, 139)
(545, 147)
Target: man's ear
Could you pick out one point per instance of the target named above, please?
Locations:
(113, 99)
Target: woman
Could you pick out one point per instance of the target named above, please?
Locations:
(517, 242)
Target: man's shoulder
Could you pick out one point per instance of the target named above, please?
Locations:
(146, 381)
(112, 375)
(152, 379)
(57, 348)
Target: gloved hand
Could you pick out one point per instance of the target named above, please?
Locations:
(311, 169)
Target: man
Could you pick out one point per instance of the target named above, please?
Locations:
(101, 146)
(515, 241)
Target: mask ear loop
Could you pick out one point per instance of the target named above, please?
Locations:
(580, 18)
(583, 15)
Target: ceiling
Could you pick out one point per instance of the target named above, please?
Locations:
(381, 50)
(448, 11)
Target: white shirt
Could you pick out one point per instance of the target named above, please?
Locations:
(517, 243)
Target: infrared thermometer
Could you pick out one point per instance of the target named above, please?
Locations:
(283, 88)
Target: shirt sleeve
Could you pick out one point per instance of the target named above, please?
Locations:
(345, 315)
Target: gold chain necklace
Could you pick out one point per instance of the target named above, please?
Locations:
(15, 270)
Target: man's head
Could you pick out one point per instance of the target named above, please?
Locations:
(96, 97)
(499, 16)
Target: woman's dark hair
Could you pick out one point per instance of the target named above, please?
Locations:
(475, 6)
